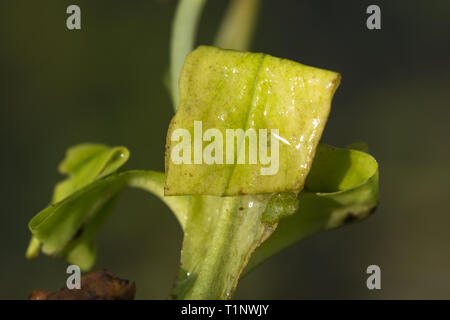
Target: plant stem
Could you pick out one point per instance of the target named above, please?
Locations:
(238, 25)
(184, 30)
(220, 236)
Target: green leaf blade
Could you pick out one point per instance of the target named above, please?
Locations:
(220, 236)
(69, 226)
(187, 17)
(342, 187)
(226, 90)
(58, 224)
(86, 162)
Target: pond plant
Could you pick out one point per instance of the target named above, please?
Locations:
(234, 214)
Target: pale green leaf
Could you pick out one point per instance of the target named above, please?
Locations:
(342, 187)
(227, 89)
(187, 17)
(219, 236)
(86, 162)
(68, 226)
(60, 223)
(83, 164)
(236, 29)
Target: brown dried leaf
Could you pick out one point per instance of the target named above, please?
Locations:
(95, 285)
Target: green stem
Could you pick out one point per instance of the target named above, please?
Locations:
(238, 25)
(184, 30)
(220, 236)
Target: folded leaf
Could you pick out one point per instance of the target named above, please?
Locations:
(63, 224)
(83, 163)
(222, 90)
(83, 201)
(342, 187)
(69, 227)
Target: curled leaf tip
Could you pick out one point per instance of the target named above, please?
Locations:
(33, 248)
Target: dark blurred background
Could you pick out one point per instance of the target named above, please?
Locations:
(104, 84)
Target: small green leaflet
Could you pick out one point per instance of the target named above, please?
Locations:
(83, 201)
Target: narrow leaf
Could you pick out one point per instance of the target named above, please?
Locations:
(83, 201)
(237, 26)
(85, 163)
(187, 17)
(342, 187)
